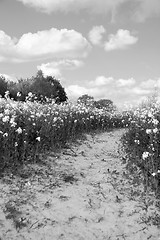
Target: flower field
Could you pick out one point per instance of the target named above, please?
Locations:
(141, 144)
(30, 128)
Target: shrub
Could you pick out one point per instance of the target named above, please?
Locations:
(3, 86)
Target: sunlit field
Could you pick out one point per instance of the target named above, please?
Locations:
(141, 143)
(28, 129)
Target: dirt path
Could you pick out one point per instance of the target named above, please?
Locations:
(84, 193)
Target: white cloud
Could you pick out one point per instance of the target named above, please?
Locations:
(117, 90)
(121, 40)
(146, 9)
(54, 68)
(96, 35)
(45, 44)
(75, 91)
(126, 82)
(101, 81)
(93, 6)
(139, 10)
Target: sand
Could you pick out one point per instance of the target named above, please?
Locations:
(83, 192)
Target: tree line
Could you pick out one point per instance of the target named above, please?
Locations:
(46, 89)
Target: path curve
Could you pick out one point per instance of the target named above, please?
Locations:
(82, 193)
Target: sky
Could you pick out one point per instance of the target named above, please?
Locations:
(104, 48)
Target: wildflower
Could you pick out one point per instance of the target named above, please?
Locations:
(155, 121)
(5, 119)
(154, 174)
(155, 130)
(1, 115)
(6, 111)
(158, 171)
(137, 141)
(38, 139)
(145, 155)
(6, 94)
(18, 94)
(148, 131)
(5, 135)
(13, 124)
(150, 115)
(19, 130)
(1, 132)
(54, 119)
(16, 144)
(30, 94)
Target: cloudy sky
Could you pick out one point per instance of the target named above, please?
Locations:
(104, 48)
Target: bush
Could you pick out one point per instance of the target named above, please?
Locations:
(3, 86)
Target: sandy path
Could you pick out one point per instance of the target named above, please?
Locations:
(83, 193)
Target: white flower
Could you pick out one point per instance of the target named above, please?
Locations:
(148, 131)
(1, 115)
(38, 139)
(137, 141)
(30, 94)
(19, 130)
(13, 124)
(5, 119)
(145, 155)
(18, 94)
(155, 130)
(155, 121)
(150, 115)
(16, 144)
(54, 119)
(5, 135)
(154, 174)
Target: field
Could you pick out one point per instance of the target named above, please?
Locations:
(72, 171)
(30, 128)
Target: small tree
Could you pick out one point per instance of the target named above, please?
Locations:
(86, 99)
(105, 104)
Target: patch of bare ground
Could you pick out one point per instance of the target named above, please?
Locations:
(82, 193)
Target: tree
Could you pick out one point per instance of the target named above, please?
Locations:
(48, 87)
(41, 87)
(105, 104)
(86, 99)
